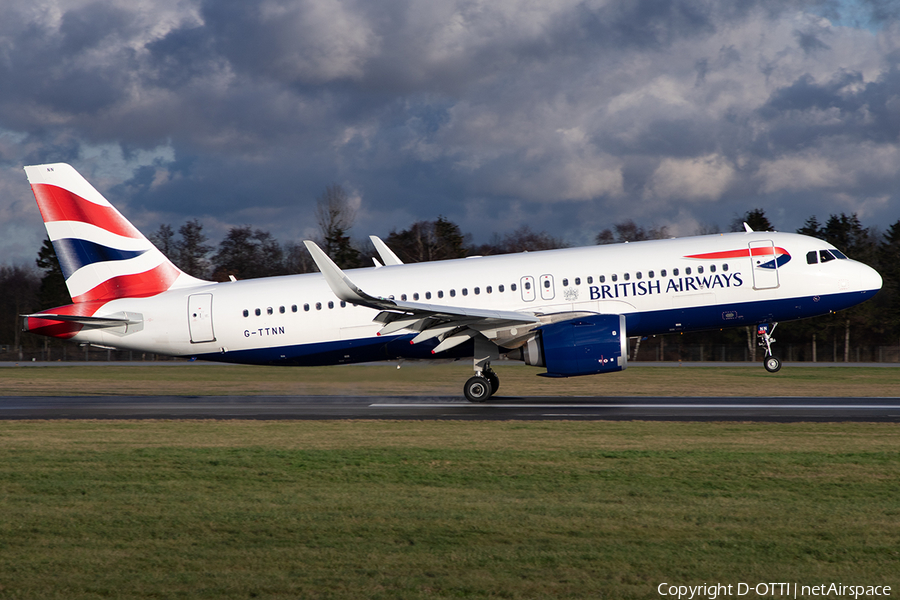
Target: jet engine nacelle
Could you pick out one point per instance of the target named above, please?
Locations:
(581, 346)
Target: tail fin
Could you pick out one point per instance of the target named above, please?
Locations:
(102, 255)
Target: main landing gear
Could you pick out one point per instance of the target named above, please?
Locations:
(764, 332)
(485, 383)
(482, 386)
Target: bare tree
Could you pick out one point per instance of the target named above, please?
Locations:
(335, 216)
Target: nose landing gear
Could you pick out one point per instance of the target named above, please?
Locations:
(764, 332)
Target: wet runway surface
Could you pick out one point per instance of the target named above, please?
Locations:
(450, 407)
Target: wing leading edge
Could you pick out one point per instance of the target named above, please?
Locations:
(452, 325)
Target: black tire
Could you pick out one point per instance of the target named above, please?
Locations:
(493, 380)
(477, 389)
(772, 364)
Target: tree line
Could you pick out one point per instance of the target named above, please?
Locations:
(246, 252)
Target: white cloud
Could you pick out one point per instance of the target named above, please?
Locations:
(702, 178)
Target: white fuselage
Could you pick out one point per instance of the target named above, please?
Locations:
(297, 320)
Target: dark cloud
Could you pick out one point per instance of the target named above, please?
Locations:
(494, 114)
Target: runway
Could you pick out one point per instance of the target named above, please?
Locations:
(450, 408)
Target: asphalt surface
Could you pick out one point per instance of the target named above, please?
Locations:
(450, 408)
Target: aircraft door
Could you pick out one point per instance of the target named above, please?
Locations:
(764, 265)
(200, 318)
(527, 283)
(547, 290)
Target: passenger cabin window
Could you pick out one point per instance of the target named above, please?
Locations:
(293, 308)
(416, 296)
(269, 311)
(500, 288)
(602, 279)
(512, 287)
(330, 304)
(453, 293)
(590, 280)
(281, 309)
(547, 283)
(258, 312)
(318, 306)
(428, 295)
(440, 293)
(712, 268)
(306, 308)
(246, 313)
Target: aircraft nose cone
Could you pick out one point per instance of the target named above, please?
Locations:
(870, 279)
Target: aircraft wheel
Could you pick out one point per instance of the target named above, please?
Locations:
(493, 380)
(477, 389)
(772, 364)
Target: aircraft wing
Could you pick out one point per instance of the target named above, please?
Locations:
(453, 325)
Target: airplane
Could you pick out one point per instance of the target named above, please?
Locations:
(569, 311)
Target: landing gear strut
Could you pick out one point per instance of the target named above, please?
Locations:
(764, 332)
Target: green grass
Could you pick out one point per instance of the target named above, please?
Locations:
(444, 379)
(441, 509)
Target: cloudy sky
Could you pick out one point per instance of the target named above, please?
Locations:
(568, 116)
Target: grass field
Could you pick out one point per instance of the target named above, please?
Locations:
(441, 509)
(444, 379)
(380, 509)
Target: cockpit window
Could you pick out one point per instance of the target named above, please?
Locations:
(839, 254)
(812, 258)
(825, 256)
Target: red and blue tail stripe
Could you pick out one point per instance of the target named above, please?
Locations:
(102, 255)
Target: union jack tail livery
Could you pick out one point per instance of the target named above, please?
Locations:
(102, 255)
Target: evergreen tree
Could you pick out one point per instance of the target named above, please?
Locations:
(428, 240)
(164, 240)
(20, 287)
(191, 250)
(246, 253)
(755, 218)
(52, 291)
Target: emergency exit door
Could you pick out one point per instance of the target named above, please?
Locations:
(200, 318)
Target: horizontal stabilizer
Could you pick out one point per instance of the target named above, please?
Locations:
(120, 322)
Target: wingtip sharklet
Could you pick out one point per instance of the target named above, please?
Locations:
(339, 283)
